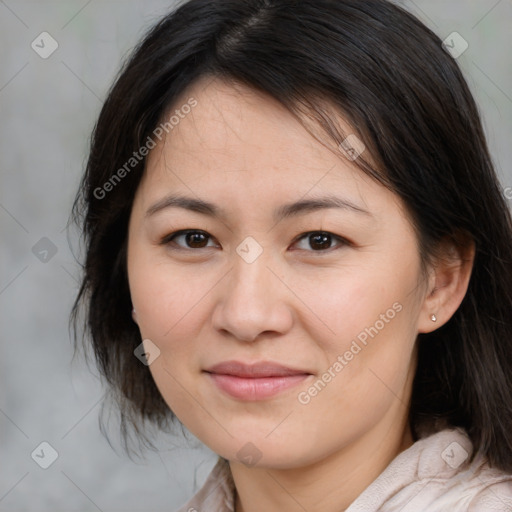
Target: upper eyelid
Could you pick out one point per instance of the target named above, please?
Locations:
(341, 239)
(182, 232)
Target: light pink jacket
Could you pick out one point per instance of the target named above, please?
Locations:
(433, 475)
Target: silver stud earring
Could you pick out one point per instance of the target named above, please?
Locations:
(433, 318)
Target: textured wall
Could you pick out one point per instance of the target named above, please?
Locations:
(48, 107)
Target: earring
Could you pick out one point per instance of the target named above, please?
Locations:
(433, 318)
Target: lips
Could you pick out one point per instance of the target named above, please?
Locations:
(256, 381)
(255, 370)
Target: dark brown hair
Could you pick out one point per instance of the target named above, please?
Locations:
(405, 97)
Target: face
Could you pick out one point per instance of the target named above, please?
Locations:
(281, 285)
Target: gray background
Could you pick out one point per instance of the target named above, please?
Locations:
(48, 107)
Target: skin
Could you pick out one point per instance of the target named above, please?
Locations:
(297, 304)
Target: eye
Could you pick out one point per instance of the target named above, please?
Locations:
(319, 241)
(190, 239)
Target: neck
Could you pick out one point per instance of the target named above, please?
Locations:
(329, 485)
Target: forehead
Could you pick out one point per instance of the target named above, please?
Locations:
(236, 140)
(233, 121)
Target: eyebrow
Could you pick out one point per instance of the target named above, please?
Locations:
(285, 211)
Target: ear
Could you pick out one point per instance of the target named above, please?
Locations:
(449, 276)
(134, 315)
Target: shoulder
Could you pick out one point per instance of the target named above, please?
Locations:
(216, 494)
(471, 485)
(494, 492)
(463, 483)
(437, 473)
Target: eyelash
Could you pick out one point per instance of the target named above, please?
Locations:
(169, 240)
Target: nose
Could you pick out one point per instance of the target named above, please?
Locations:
(252, 302)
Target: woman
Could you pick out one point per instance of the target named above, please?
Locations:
(298, 247)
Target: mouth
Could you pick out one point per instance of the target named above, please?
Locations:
(254, 382)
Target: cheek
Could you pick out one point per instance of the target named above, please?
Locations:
(367, 361)
(359, 303)
(169, 305)
(163, 294)
(368, 355)
(173, 307)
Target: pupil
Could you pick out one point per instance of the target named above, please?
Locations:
(195, 239)
(320, 241)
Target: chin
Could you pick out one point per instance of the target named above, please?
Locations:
(254, 449)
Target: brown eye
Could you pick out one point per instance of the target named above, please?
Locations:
(188, 239)
(319, 241)
(196, 239)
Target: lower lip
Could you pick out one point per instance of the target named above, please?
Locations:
(255, 388)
